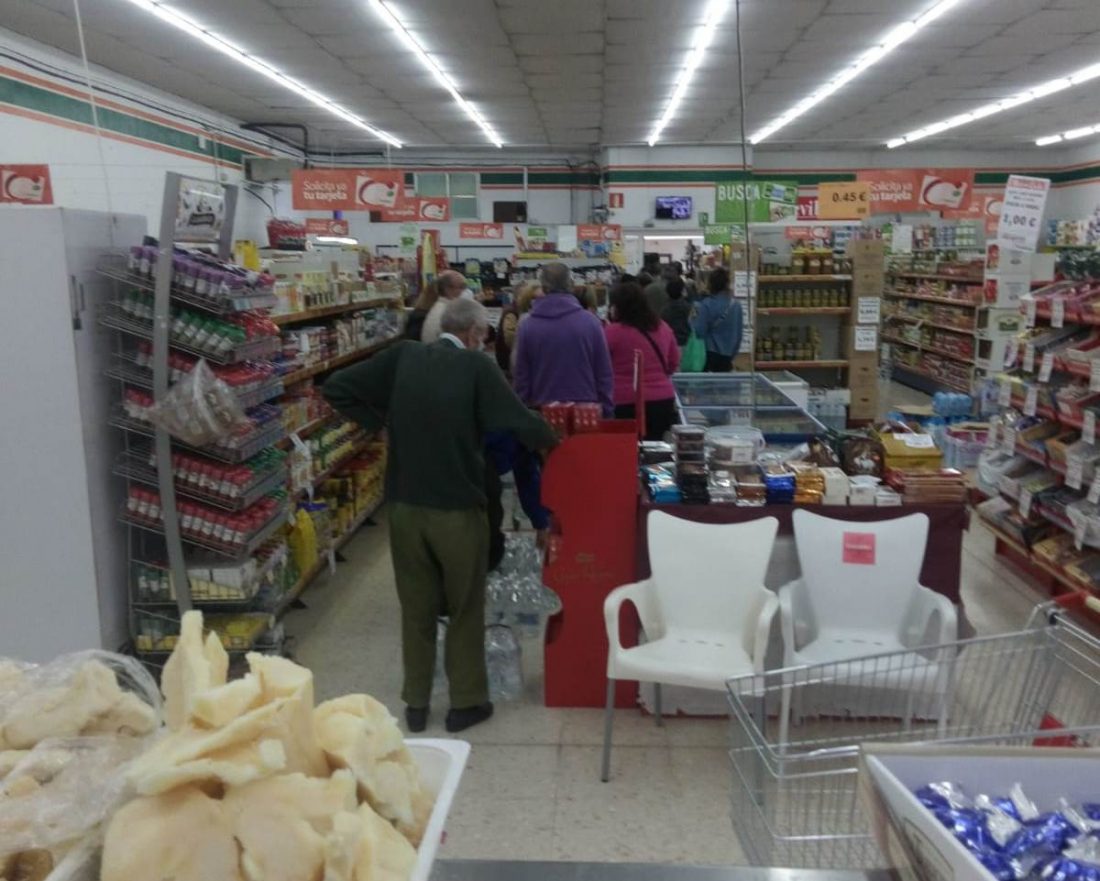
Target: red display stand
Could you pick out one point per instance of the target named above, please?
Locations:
(590, 483)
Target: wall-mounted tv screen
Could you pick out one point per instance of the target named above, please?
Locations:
(673, 208)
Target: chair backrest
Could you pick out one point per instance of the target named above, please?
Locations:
(860, 575)
(705, 574)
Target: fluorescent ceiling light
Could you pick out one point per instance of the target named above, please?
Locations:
(704, 34)
(411, 43)
(1070, 135)
(215, 41)
(1084, 75)
(899, 35)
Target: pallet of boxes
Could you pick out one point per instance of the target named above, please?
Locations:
(868, 280)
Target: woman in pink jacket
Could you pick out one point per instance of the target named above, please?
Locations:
(634, 328)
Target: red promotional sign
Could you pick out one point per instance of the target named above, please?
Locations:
(859, 548)
(26, 184)
(983, 207)
(807, 208)
(353, 189)
(321, 226)
(898, 190)
(605, 232)
(481, 230)
(614, 200)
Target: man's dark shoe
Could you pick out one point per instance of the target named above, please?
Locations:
(416, 719)
(460, 720)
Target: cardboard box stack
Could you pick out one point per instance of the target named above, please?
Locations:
(868, 280)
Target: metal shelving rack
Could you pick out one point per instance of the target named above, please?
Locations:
(147, 460)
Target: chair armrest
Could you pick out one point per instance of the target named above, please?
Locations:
(796, 616)
(639, 593)
(931, 618)
(763, 631)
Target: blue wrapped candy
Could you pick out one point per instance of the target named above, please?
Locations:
(1079, 862)
(942, 795)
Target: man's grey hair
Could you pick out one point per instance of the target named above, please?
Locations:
(556, 277)
(462, 315)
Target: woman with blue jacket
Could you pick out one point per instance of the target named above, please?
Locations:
(719, 322)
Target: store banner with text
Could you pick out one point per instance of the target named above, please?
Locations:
(807, 208)
(604, 232)
(723, 233)
(763, 201)
(1022, 213)
(481, 230)
(321, 226)
(26, 184)
(849, 200)
(380, 190)
(983, 208)
(900, 190)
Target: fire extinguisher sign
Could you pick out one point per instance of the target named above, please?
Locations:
(25, 185)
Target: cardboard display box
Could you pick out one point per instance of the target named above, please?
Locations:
(868, 282)
(910, 836)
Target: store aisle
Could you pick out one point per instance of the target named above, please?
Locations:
(531, 790)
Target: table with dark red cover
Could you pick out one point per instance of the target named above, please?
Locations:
(942, 557)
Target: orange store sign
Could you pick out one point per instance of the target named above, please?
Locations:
(605, 232)
(25, 184)
(897, 190)
(481, 230)
(381, 190)
(321, 226)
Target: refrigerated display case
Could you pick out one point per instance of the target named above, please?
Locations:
(711, 399)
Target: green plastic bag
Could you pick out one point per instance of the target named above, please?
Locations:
(693, 358)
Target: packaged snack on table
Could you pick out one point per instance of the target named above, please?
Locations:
(750, 485)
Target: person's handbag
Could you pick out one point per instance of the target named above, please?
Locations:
(693, 357)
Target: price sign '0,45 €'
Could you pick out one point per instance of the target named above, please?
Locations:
(844, 201)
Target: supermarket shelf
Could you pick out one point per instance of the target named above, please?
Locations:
(136, 467)
(129, 372)
(115, 317)
(943, 353)
(936, 277)
(231, 455)
(928, 380)
(929, 298)
(333, 363)
(1046, 412)
(305, 430)
(571, 262)
(1005, 537)
(768, 279)
(307, 577)
(804, 365)
(1040, 564)
(116, 266)
(965, 331)
(330, 311)
(803, 310)
(247, 597)
(356, 448)
(237, 552)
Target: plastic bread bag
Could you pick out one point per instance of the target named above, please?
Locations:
(200, 409)
(88, 693)
(62, 790)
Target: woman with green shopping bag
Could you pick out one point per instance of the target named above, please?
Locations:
(718, 324)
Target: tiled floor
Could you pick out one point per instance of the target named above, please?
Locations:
(532, 789)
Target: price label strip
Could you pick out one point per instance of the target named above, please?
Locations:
(1029, 311)
(1057, 312)
(1094, 490)
(1075, 476)
(993, 436)
(1094, 375)
(1008, 445)
(1088, 427)
(1004, 394)
(1046, 366)
(1029, 358)
(1031, 402)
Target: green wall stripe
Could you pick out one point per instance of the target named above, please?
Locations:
(502, 178)
(40, 100)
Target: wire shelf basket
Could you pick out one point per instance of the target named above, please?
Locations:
(795, 732)
(234, 451)
(230, 551)
(127, 371)
(212, 584)
(117, 318)
(137, 464)
(116, 266)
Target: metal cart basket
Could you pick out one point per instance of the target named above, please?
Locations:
(796, 731)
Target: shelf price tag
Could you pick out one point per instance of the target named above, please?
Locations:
(1075, 473)
(1094, 375)
(1004, 394)
(1009, 442)
(1088, 427)
(1094, 490)
(993, 436)
(1029, 357)
(1031, 402)
(1057, 312)
(1046, 366)
(1029, 311)
(1025, 502)
(1079, 533)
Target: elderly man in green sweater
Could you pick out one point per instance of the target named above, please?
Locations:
(437, 401)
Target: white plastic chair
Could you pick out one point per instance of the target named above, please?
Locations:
(705, 611)
(860, 595)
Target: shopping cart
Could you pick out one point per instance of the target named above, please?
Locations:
(796, 731)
